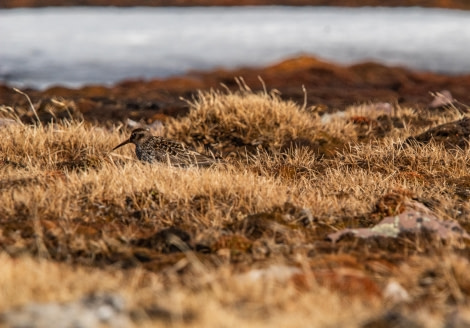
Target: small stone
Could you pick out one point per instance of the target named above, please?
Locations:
(441, 99)
(395, 292)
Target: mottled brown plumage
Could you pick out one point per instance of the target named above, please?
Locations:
(152, 149)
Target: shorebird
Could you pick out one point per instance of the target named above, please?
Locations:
(152, 149)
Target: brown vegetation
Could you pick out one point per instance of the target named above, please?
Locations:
(329, 88)
(244, 243)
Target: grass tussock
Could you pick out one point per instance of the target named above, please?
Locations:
(243, 243)
(239, 122)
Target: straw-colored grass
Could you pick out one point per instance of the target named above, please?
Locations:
(76, 218)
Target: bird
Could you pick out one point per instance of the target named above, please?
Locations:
(154, 149)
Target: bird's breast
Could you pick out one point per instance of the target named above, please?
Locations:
(144, 153)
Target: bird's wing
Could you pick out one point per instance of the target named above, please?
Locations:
(179, 155)
(198, 159)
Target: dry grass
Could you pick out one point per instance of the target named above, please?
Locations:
(76, 218)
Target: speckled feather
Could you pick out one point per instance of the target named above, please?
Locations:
(153, 149)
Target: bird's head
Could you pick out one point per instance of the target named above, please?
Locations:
(137, 136)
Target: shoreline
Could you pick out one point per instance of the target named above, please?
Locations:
(330, 88)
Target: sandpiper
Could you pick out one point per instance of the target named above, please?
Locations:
(151, 149)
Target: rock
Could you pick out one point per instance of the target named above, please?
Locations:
(155, 127)
(92, 311)
(379, 108)
(131, 124)
(441, 100)
(327, 118)
(279, 273)
(415, 218)
(395, 292)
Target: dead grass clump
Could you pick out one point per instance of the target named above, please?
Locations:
(393, 157)
(380, 120)
(246, 121)
(291, 165)
(69, 146)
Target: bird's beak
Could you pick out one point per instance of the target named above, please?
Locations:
(122, 144)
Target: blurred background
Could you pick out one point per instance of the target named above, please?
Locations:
(75, 43)
(460, 4)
